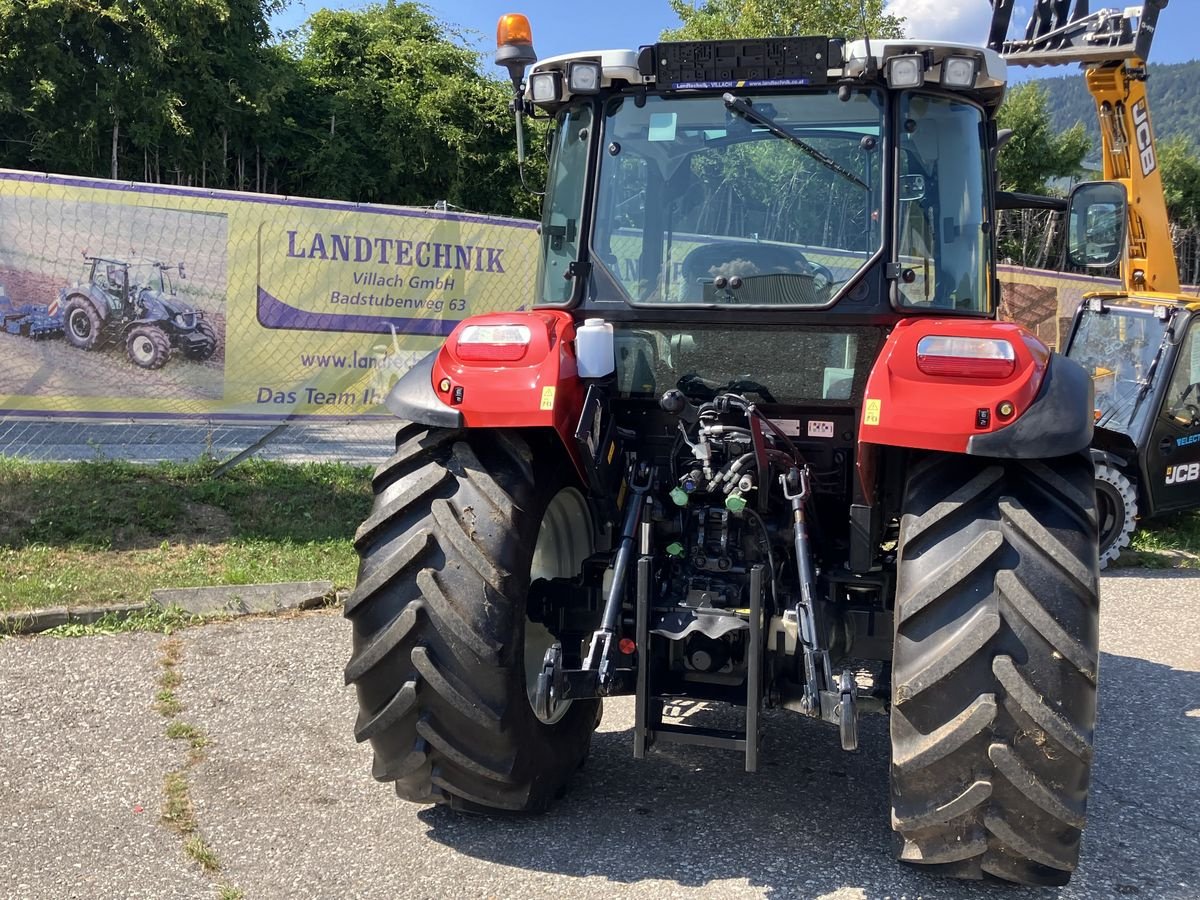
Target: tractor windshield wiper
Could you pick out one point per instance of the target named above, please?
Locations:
(744, 109)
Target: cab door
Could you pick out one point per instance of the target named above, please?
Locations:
(1173, 456)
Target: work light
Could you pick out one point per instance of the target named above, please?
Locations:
(545, 87)
(584, 77)
(959, 71)
(906, 71)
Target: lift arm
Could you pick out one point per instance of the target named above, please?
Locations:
(1131, 157)
(1112, 47)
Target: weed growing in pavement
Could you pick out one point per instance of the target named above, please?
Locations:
(167, 703)
(177, 803)
(201, 853)
(178, 812)
(229, 892)
(181, 731)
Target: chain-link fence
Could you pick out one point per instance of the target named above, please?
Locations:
(1036, 239)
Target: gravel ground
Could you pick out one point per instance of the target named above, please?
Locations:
(285, 799)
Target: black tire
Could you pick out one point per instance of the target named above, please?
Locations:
(148, 347)
(203, 351)
(994, 666)
(1116, 507)
(82, 324)
(439, 624)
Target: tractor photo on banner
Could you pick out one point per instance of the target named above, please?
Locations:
(122, 300)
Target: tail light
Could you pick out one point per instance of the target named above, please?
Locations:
(966, 357)
(493, 343)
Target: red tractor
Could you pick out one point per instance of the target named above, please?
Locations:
(761, 441)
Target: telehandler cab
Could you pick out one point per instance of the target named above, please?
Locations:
(759, 440)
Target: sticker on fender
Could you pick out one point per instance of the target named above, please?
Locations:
(1183, 474)
(548, 397)
(871, 414)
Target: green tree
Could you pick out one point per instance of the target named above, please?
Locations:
(1036, 153)
(714, 19)
(1180, 164)
(403, 112)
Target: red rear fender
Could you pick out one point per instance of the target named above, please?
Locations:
(980, 387)
(501, 370)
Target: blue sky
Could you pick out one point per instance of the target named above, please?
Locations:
(559, 27)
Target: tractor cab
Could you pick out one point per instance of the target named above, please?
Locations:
(765, 180)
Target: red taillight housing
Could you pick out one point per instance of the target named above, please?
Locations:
(966, 357)
(493, 343)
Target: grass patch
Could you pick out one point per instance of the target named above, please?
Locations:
(108, 531)
(201, 853)
(229, 892)
(1175, 534)
(165, 620)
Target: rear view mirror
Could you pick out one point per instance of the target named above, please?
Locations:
(1097, 220)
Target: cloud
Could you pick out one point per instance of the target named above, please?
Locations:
(966, 22)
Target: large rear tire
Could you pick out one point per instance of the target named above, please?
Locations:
(995, 666)
(440, 628)
(82, 325)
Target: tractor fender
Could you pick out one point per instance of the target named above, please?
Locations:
(541, 388)
(1050, 396)
(66, 295)
(413, 398)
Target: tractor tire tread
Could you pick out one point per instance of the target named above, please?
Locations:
(436, 660)
(995, 666)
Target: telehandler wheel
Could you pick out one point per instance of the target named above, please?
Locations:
(1116, 504)
(82, 324)
(148, 347)
(994, 666)
(445, 660)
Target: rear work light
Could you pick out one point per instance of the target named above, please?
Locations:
(966, 357)
(493, 343)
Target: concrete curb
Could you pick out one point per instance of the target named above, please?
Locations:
(35, 621)
(245, 599)
(202, 602)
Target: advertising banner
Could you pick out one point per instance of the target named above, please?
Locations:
(149, 301)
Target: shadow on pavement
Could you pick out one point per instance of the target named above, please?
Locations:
(815, 820)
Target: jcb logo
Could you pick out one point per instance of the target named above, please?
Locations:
(1183, 474)
(1145, 139)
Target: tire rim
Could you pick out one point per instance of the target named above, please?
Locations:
(565, 539)
(81, 325)
(143, 350)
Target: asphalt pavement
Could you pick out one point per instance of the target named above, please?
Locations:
(285, 800)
